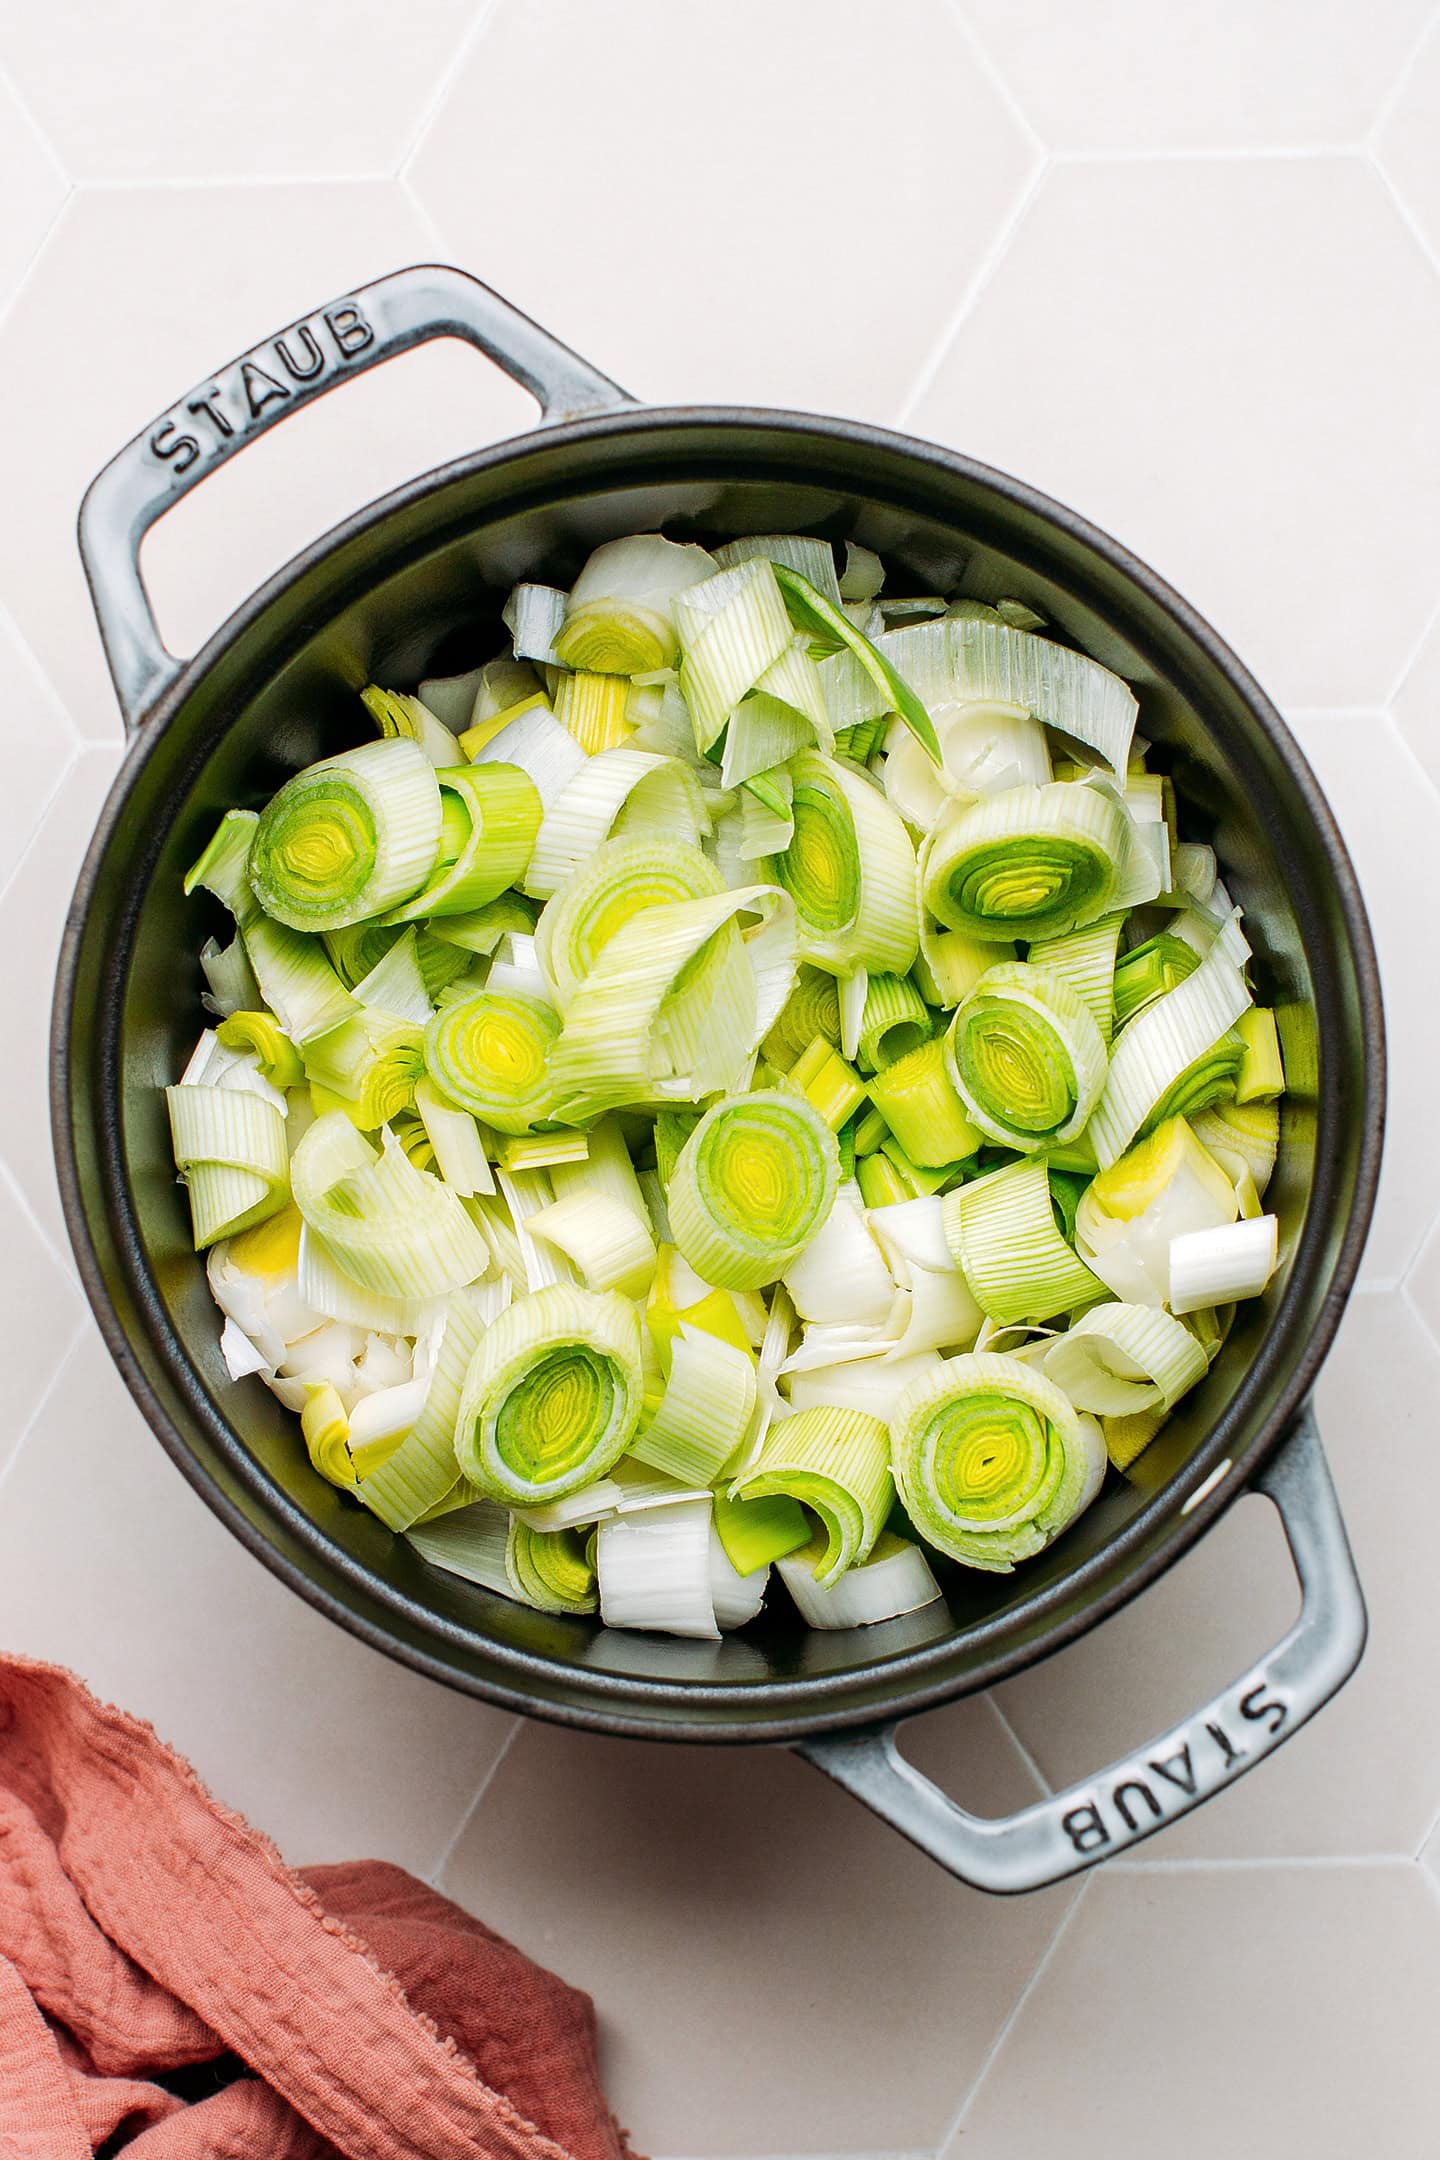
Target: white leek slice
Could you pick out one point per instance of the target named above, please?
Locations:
(607, 1168)
(841, 1274)
(452, 697)
(619, 618)
(544, 750)
(607, 1242)
(485, 1544)
(552, 1397)
(751, 1188)
(814, 559)
(705, 1412)
(578, 1509)
(737, 1598)
(1030, 862)
(296, 979)
(873, 1385)
(836, 1462)
(854, 998)
(242, 1356)
(455, 1137)
(231, 979)
(533, 615)
(516, 968)
(767, 818)
(1161, 1188)
(1117, 1359)
(992, 1460)
(986, 748)
(230, 1150)
(527, 1193)
(328, 1290)
(935, 1310)
(1219, 1267)
(761, 735)
(1193, 870)
(471, 1543)
(347, 837)
(423, 1468)
(895, 1579)
(654, 1569)
(622, 878)
(913, 1231)
(1026, 1057)
(1003, 1233)
(1162, 1047)
(1242, 1138)
(850, 869)
(732, 628)
(395, 984)
(863, 574)
(656, 797)
(642, 1488)
(387, 1225)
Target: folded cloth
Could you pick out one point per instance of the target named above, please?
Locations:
(169, 1989)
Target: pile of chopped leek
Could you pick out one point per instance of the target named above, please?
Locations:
(749, 1079)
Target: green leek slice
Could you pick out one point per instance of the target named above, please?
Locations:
(491, 1054)
(756, 1532)
(1026, 863)
(837, 1463)
(552, 1397)
(706, 1410)
(500, 816)
(396, 714)
(1261, 1077)
(895, 1021)
(850, 869)
(619, 617)
(368, 1067)
(1171, 1056)
(1025, 1057)
(230, 1151)
(916, 1096)
(595, 709)
(348, 837)
(751, 1187)
(992, 1460)
(1002, 1233)
(262, 1033)
(1147, 971)
(823, 620)
(623, 792)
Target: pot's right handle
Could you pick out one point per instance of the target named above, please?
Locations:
(265, 385)
(1101, 1817)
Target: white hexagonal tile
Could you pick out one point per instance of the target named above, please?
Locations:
(1416, 704)
(777, 1972)
(1364, 1777)
(32, 188)
(32, 915)
(1218, 396)
(1408, 144)
(1389, 813)
(167, 92)
(1107, 75)
(197, 275)
(1283, 2011)
(43, 1313)
(111, 1564)
(37, 742)
(789, 215)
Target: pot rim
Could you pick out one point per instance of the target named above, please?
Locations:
(803, 1705)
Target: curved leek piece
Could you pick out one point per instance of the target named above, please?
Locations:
(812, 1009)
(676, 1003)
(1025, 1057)
(230, 980)
(551, 1568)
(840, 1277)
(395, 986)
(296, 980)
(608, 1243)
(751, 1187)
(895, 1021)
(826, 622)
(1147, 971)
(1002, 1233)
(1085, 959)
(992, 1460)
(737, 1598)
(754, 1533)
(543, 749)
(368, 1068)
(767, 817)
(386, 1225)
(327, 1289)
(916, 1097)
(1219, 1267)
(1117, 1359)
(971, 657)
(423, 1469)
(654, 1569)
(348, 837)
(826, 1081)
(814, 559)
(595, 709)
(1172, 1056)
(1027, 863)
(471, 1542)
(1242, 1137)
(326, 1430)
(986, 749)
(533, 615)
(1262, 1075)
(1126, 1438)
(230, 1151)
(622, 878)
(619, 618)
(455, 1142)
(950, 963)
(895, 1579)
(872, 1384)
(395, 713)
(850, 869)
(491, 1055)
(222, 868)
(481, 932)
(732, 627)
(1161, 1188)
(836, 1463)
(863, 574)
(705, 1413)
(499, 812)
(653, 797)
(356, 951)
(262, 1033)
(762, 733)
(552, 1397)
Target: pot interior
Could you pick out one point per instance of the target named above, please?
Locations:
(418, 591)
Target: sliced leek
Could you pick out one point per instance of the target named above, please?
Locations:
(230, 1151)
(850, 870)
(1170, 1057)
(1026, 1057)
(619, 618)
(1117, 1359)
(348, 837)
(1003, 1234)
(552, 1396)
(837, 1464)
(705, 1412)
(895, 1579)
(1027, 863)
(917, 1098)
(491, 1055)
(387, 1226)
(751, 1187)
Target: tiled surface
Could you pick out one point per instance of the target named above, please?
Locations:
(1179, 267)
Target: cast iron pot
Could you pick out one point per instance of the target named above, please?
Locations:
(413, 585)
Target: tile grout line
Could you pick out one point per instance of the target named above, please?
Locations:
(61, 1366)
(61, 1256)
(468, 1813)
(1037, 1973)
(1406, 215)
(988, 265)
(997, 78)
(1412, 656)
(1250, 1864)
(1219, 154)
(440, 95)
(1435, 1825)
(1046, 1788)
(1388, 104)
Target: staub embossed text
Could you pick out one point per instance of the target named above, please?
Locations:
(216, 416)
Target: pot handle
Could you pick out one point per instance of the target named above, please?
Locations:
(265, 385)
(1105, 1814)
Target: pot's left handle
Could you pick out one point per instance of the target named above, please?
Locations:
(265, 385)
